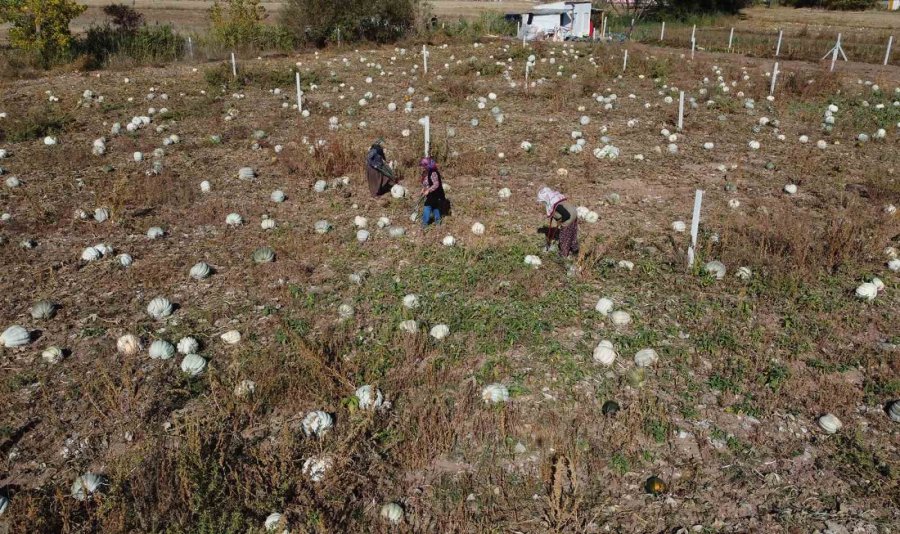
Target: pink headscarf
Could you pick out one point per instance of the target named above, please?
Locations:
(550, 199)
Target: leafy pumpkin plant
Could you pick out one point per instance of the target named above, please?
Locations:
(40, 26)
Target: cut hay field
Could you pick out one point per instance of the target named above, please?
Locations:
(798, 210)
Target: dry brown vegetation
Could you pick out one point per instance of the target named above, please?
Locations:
(727, 417)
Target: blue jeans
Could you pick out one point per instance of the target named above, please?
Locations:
(427, 212)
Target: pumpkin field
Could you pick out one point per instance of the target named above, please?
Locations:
(210, 326)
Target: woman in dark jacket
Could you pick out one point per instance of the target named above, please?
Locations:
(378, 174)
(433, 191)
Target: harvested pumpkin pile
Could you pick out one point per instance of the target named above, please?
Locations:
(209, 325)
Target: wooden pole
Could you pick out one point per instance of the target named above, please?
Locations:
(427, 125)
(695, 226)
(887, 55)
(774, 77)
(680, 110)
(299, 95)
(834, 55)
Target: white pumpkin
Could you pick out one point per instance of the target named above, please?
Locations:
(392, 513)
(52, 355)
(879, 285)
(267, 223)
(90, 254)
(627, 265)
(188, 345)
(409, 326)
(679, 226)
(155, 232)
(790, 189)
(86, 485)
(715, 268)
(478, 228)
(103, 249)
(620, 318)
(398, 191)
(161, 350)
(205, 186)
(411, 301)
(160, 308)
(605, 353)
(362, 236)
(744, 273)
(360, 221)
(604, 306)
(894, 265)
(396, 231)
(234, 219)
(316, 467)
(246, 173)
(125, 260)
(101, 214)
(43, 309)
(495, 393)
(383, 222)
(4, 503)
(449, 241)
(867, 291)
(245, 389)
(278, 196)
(369, 397)
(320, 186)
(533, 261)
(645, 357)
(193, 364)
(200, 271)
(345, 311)
(128, 344)
(274, 521)
(439, 331)
(232, 337)
(830, 423)
(504, 193)
(317, 423)
(263, 255)
(322, 227)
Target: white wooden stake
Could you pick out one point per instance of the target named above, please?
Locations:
(695, 226)
(680, 110)
(425, 59)
(774, 77)
(233, 66)
(694, 33)
(834, 55)
(662, 31)
(730, 39)
(190, 47)
(603, 28)
(887, 55)
(778, 46)
(625, 61)
(299, 95)
(527, 68)
(427, 125)
(693, 46)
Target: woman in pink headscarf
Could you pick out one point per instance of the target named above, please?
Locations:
(560, 211)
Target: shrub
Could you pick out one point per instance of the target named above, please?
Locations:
(684, 9)
(319, 21)
(123, 17)
(146, 44)
(41, 27)
(239, 24)
(38, 122)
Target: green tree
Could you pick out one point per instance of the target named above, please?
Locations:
(40, 26)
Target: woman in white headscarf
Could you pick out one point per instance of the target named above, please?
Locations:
(561, 212)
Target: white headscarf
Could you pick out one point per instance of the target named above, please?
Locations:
(550, 198)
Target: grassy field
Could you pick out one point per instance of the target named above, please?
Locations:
(727, 417)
